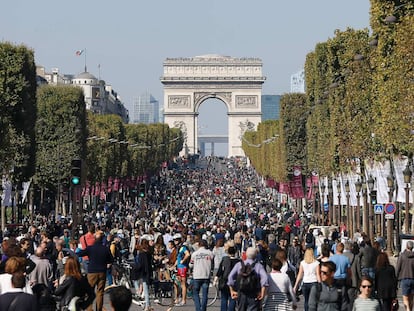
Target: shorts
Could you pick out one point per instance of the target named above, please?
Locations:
(182, 272)
(407, 287)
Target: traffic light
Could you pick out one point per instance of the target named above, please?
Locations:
(142, 190)
(373, 196)
(76, 172)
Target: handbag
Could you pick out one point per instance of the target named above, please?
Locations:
(395, 304)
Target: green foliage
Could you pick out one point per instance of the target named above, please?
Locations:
(17, 110)
(60, 133)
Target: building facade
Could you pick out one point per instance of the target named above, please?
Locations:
(100, 98)
(270, 107)
(146, 109)
(297, 82)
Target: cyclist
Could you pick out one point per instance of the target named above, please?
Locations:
(182, 263)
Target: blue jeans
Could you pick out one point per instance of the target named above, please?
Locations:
(145, 289)
(226, 302)
(306, 289)
(200, 284)
(368, 272)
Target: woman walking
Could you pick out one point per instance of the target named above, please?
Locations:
(385, 281)
(309, 274)
(280, 294)
(72, 284)
(365, 302)
(143, 264)
(226, 265)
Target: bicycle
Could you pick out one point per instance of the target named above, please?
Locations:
(121, 274)
(170, 291)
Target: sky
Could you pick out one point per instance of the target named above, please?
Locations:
(129, 39)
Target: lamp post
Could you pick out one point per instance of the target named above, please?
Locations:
(358, 187)
(348, 218)
(390, 222)
(338, 189)
(407, 180)
(323, 188)
(315, 201)
(371, 230)
(365, 216)
(331, 210)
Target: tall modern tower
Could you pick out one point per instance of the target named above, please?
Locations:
(146, 109)
(297, 82)
(270, 107)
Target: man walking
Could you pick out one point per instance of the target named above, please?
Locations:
(248, 300)
(201, 260)
(99, 259)
(405, 274)
(328, 295)
(343, 266)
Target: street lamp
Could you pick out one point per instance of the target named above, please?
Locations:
(323, 188)
(358, 187)
(331, 210)
(390, 222)
(338, 189)
(364, 207)
(391, 19)
(407, 180)
(348, 214)
(315, 201)
(370, 183)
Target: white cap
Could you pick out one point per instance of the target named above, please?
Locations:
(177, 236)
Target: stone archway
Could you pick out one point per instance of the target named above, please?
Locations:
(237, 82)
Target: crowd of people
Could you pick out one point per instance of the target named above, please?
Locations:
(217, 220)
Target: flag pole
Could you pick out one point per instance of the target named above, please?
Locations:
(85, 59)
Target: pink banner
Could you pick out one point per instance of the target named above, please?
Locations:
(283, 187)
(296, 187)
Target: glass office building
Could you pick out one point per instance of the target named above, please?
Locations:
(270, 107)
(146, 109)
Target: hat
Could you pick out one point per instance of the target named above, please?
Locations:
(177, 236)
(148, 237)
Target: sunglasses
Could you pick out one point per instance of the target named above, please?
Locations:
(365, 286)
(324, 272)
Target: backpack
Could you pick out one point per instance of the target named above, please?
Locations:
(309, 239)
(248, 281)
(231, 262)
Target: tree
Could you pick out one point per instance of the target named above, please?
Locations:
(17, 110)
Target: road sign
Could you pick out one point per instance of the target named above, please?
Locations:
(378, 209)
(326, 207)
(389, 216)
(390, 208)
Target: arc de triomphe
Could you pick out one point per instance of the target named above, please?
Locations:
(237, 82)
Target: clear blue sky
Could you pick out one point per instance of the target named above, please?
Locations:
(130, 39)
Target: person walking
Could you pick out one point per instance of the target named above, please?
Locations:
(405, 274)
(385, 281)
(308, 275)
(365, 301)
(343, 266)
(328, 295)
(248, 300)
(100, 259)
(16, 299)
(182, 263)
(280, 295)
(226, 265)
(201, 261)
(73, 284)
(144, 270)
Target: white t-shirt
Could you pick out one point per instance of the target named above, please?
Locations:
(309, 271)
